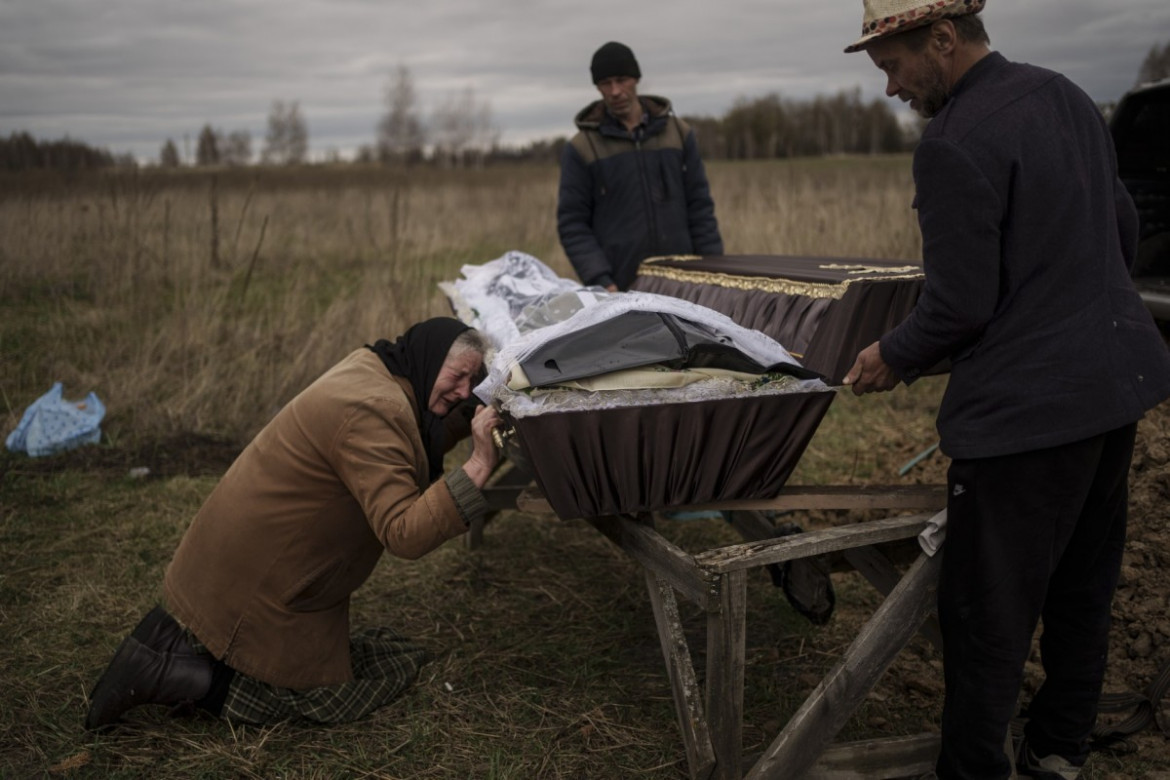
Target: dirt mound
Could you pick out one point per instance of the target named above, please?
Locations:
(1140, 643)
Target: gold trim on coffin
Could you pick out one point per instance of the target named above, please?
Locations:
(835, 290)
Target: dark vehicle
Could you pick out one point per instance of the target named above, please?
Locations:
(1141, 133)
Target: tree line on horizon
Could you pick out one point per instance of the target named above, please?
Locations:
(20, 151)
(461, 131)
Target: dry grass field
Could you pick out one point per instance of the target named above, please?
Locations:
(196, 304)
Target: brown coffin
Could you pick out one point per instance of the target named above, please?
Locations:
(645, 458)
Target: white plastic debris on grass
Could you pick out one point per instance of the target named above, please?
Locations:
(52, 424)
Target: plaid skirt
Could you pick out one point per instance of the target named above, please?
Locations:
(384, 665)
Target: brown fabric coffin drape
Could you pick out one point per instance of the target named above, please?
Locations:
(822, 309)
(645, 458)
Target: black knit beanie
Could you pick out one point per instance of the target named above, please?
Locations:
(614, 59)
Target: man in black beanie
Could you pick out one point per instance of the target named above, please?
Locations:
(632, 184)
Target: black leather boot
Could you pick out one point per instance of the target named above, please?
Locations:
(154, 665)
(162, 633)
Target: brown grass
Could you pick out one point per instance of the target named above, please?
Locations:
(118, 277)
(546, 664)
(125, 284)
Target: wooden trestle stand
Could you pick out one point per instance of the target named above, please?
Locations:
(711, 720)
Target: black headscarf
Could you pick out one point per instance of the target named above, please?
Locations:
(417, 356)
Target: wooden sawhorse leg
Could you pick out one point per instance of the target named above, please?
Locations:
(714, 744)
(716, 580)
(688, 704)
(810, 731)
(726, 633)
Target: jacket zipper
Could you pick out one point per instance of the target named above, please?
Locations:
(647, 199)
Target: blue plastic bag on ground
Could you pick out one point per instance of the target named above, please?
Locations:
(51, 424)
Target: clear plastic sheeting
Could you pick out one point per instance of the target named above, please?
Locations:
(492, 297)
(521, 306)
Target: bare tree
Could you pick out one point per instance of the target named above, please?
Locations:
(708, 134)
(1156, 65)
(207, 147)
(287, 141)
(400, 131)
(450, 129)
(168, 156)
(487, 133)
(298, 136)
(463, 129)
(236, 148)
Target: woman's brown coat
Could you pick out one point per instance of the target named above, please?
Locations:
(264, 573)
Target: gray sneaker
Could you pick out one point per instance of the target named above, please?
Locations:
(1047, 768)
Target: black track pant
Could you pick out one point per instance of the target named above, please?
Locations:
(1033, 536)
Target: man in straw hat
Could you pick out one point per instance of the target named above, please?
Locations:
(1028, 235)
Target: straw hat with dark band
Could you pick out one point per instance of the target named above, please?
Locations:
(884, 18)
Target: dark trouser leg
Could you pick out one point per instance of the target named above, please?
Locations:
(1076, 616)
(1011, 521)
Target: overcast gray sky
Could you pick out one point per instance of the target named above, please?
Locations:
(128, 74)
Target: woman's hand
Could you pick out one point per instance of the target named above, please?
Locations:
(484, 455)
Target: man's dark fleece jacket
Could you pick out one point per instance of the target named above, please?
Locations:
(625, 196)
(1028, 236)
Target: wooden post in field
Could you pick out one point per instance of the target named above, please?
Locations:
(240, 224)
(214, 224)
(394, 226)
(255, 255)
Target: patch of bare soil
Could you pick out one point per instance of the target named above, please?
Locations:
(190, 454)
(1140, 644)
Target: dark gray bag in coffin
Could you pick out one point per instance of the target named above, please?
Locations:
(639, 338)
